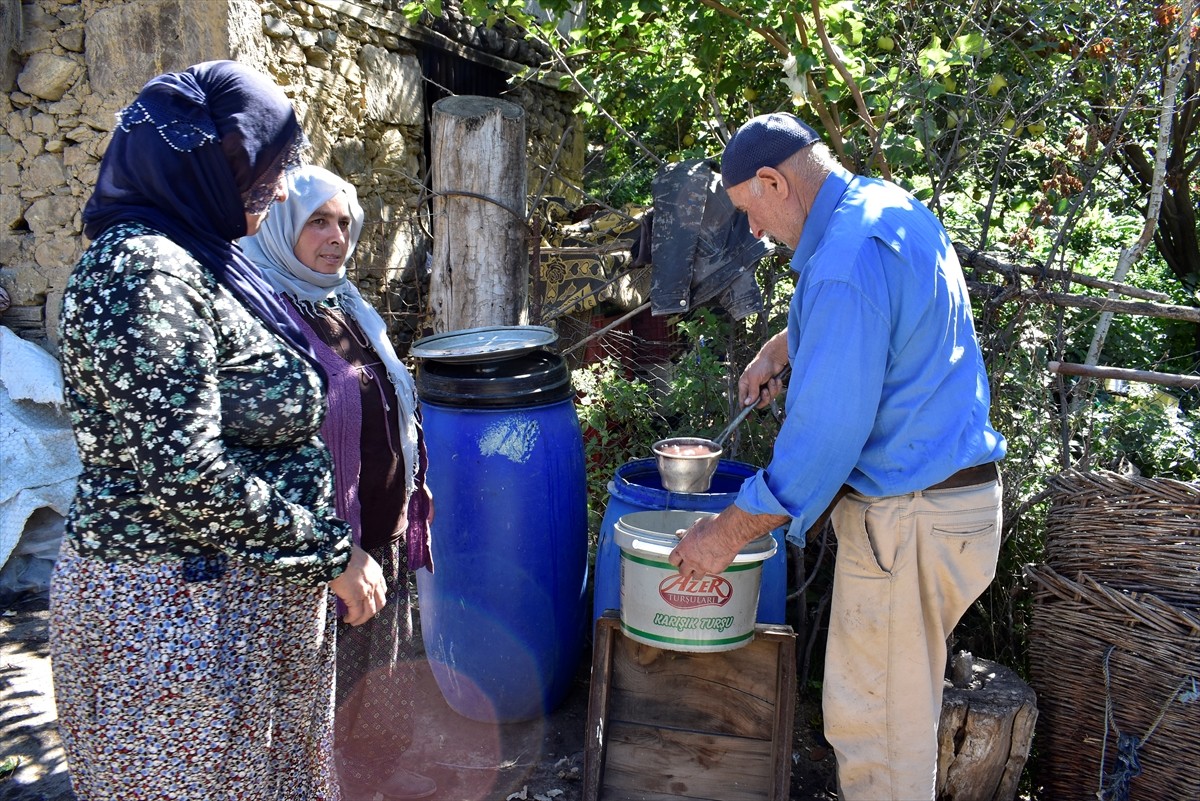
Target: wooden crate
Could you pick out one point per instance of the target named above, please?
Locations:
(669, 725)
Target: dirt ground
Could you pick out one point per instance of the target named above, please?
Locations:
(540, 760)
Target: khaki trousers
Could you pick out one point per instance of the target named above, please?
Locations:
(907, 568)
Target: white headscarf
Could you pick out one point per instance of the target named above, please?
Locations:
(273, 250)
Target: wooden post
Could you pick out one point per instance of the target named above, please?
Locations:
(1124, 374)
(480, 271)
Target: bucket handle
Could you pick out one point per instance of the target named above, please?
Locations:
(658, 549)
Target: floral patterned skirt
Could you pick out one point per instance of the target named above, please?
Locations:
(377, 666)
(169, 689)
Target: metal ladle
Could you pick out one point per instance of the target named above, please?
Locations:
(687, 464)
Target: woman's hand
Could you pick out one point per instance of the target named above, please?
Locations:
(360, 587)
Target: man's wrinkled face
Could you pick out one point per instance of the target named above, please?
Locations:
(764, 199)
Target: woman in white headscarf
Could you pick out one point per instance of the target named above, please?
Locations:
(373, 432)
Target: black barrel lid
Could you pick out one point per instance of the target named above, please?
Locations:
(530, 379)
(484, 344)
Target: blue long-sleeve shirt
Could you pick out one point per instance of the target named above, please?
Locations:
(888, 390)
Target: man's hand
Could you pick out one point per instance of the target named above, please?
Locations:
(759, 383)
(710, 545)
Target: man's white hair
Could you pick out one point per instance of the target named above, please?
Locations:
(810, 163)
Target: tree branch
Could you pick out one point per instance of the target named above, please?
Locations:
(1164, 311)
(772, 37)
(982, 261)
(1166, 120)
(1123, 374)
(837, 142)
(864, 113)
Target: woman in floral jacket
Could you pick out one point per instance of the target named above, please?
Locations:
(191, 619)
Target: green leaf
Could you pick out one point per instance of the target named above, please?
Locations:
(971, 44)
(933, 60)
(412, 11)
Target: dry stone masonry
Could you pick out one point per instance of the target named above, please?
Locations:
(361, 78)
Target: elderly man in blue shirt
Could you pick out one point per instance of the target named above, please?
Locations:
(887, 421)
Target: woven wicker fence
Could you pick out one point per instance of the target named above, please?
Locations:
(1115, 640)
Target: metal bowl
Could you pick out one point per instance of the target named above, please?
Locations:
(686, 464)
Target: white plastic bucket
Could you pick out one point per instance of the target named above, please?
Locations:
(662, 608)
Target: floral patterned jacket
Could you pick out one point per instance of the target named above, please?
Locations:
(197, 427)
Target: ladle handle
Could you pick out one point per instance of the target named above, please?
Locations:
(742, 415)
(745, 412)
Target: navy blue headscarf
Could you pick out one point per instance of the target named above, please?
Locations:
(193, 152)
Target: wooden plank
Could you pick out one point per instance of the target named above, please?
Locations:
(684, 765)
(598, 695)
(396, 23)
(785, 711)
(28, 322)
(725, 692)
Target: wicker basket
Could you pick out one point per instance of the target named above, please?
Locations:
(1135, 534)
(1122, 634)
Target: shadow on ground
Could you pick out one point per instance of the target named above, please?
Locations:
(470, 760)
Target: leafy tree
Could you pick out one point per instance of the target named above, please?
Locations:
(1031, 127)
(1028, 108)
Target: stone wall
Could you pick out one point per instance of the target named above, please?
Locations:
(353, 70)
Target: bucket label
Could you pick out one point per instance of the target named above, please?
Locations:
(689, 623)
(683, 592)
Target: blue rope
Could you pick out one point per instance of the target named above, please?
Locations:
(1114, 786)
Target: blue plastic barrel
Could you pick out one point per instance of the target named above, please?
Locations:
(636, 487)
(504, 613)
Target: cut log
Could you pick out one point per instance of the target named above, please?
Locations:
(985, 732)
(480, 269)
